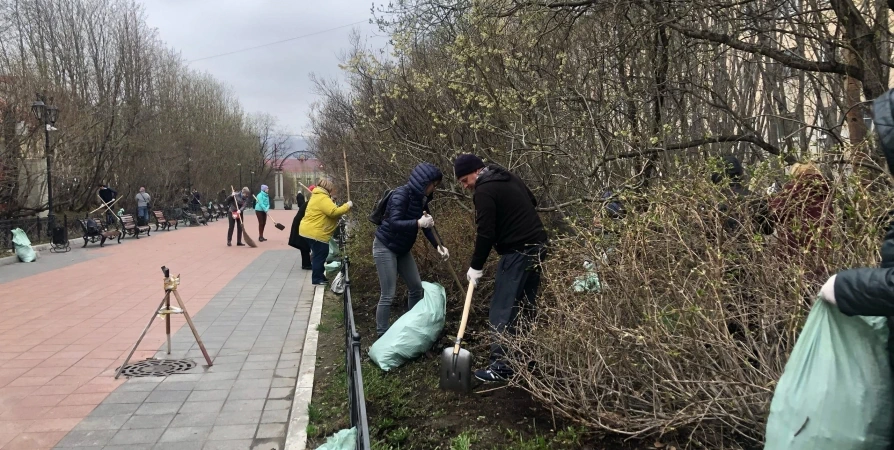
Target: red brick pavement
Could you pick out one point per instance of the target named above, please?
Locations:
(64, 332)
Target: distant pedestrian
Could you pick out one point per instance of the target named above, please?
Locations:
(295, 239)
(261, 208)
(195, 201)
(143, 199)
(108, 195)
(237, 203)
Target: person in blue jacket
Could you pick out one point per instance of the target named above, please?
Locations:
(405, 215)
(261, 208)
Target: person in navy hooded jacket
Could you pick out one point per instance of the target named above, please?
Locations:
(405, 215)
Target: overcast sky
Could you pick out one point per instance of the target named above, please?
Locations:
(274, 79)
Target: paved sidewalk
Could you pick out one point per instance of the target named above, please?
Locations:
(69, 322)
(254, 328)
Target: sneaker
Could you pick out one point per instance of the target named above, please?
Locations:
(306, 268)
(239, 244)
(492, 376)
(321, 283)
(229, 244)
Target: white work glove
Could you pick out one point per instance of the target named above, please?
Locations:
(474, 275)
(827, 292)
(350, 204)
(426, 221)
(443, 252)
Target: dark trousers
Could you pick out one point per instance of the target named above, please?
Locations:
(111, 218)
(515, 290)
(238, 225)
(318, 259)
(262, 222)
(305, 257)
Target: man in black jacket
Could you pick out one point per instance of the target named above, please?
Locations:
(506, 221)
(108, 195)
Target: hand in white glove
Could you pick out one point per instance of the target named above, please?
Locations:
(474, 275)
(426, 221)
(443, 252)
(827, 292)
(350, 204)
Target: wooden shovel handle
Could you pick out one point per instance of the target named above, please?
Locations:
(462, 324)
(438, 240)
(344, 156)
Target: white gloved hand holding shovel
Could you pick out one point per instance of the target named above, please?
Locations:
(473, 275)
(445, 254)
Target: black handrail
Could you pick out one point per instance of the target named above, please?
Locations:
(356, 398)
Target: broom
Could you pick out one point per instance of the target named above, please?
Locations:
(245, 237)
(278, 226)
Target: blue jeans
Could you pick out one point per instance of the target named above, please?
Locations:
(389, 265)
(143, 213)
(515, 291)
(319, 252)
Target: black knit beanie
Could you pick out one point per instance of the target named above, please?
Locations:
(466, 164)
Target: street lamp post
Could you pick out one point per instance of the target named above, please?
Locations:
(46, 116)
(240, 175)
(251, 179)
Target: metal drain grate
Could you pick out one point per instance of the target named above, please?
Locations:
(157, 367)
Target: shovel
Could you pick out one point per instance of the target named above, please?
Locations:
(456, 362)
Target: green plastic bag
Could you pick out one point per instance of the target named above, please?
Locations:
(414, 332)
(334, 251)
(836, 390)
(343, 440)
(23, 246)
(330, 270)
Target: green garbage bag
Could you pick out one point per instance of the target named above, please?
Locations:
(334, 251)
(343, 440)
(414, 332)
(330, 270)
(588, 282)
(23, 246)
(836, 390)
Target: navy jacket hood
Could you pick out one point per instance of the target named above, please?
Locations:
(399, 229)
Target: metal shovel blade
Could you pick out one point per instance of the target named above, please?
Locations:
(456, 370)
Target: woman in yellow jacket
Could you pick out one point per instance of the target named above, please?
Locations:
(319, 223)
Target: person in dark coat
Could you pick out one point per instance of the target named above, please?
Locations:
(733, 175)
(870, 291)
(405, 215)
(236, 204)
(295, 239)
(108, 196)
(507, 221)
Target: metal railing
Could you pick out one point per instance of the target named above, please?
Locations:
(356, 398)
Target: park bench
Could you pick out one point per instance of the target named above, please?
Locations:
(192, 219)
(218, 212)
(207, 214)
(131, 228)
(163, 222)
(223, 210)
(97, 232)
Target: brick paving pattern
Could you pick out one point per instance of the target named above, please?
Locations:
(68, 323)
(254, 328)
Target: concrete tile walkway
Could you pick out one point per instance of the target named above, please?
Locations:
(255, 329)
(63, 331)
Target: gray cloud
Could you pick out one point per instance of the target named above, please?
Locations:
(273, 79)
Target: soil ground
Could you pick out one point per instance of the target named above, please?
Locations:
(406, 408)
